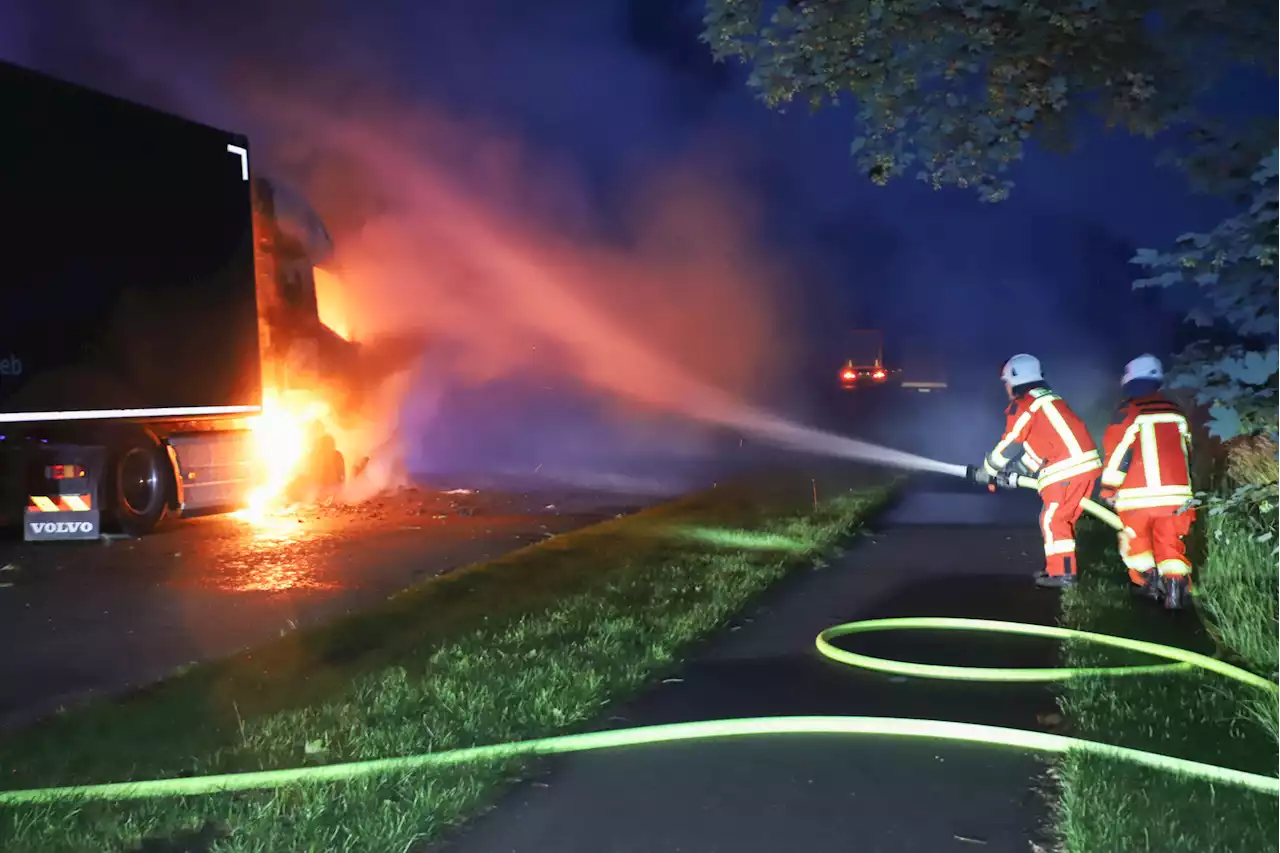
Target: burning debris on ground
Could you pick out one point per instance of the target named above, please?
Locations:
(405, 501)
(419, 506)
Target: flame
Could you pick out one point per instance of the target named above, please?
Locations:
(282, 433)
(281, 438)
(330, 303)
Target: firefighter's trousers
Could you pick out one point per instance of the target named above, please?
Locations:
(1058, 521)
(1152, 539)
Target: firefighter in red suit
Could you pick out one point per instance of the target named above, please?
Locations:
(1045, 439)
(1147, 478)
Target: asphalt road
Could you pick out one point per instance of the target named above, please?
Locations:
(944, 551)
(78, 619)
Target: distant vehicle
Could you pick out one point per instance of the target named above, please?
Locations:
(920, 372)
(860, 376)
(866, 368)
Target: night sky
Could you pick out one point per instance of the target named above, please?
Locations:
(606, 90)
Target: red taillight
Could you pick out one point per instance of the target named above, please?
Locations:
(848, 376)
(64, 472)
(879, 374)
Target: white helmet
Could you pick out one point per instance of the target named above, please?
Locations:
(1143, 367)
(1021, 369)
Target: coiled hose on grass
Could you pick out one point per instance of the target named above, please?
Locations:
(1044, 742)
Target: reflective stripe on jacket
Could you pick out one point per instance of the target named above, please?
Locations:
(1148, 453)
(1046, 437)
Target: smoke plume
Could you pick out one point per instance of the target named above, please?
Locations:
(513, 267)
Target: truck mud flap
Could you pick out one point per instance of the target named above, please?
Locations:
(45, 526)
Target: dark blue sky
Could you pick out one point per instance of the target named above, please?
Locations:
(616, 86)
(613, 83)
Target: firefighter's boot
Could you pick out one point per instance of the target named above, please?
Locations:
(1177, 592)
(1044, 579)
(1151, 586)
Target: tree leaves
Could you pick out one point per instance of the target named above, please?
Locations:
(959, 86)
(1253, 368)
(1233, 268)
(1269, 169)
(1224, 422)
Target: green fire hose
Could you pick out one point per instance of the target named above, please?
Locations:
(1045, 742)
(1179, 660)
(1097, 510)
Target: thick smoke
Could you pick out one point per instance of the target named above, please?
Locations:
(676, 322)
(515, 268)
(502, 262)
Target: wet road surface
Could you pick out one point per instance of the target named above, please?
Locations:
(945, 550)
(78, 619)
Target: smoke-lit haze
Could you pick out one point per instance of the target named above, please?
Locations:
(589, 221)
(510, 286)
(455, 227)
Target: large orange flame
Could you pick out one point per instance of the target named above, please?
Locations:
(280, 435)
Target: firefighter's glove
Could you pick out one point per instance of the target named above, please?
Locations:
(1007, 479)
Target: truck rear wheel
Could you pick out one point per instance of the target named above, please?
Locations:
(138, 484)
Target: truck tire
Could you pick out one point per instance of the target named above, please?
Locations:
(138, 484)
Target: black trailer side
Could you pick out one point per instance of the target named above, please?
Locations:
(129, 297)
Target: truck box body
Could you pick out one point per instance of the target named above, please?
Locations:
(126, 260)
(153, 294)
(863, 348)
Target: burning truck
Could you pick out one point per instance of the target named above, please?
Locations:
(162, 349)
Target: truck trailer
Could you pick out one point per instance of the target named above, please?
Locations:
(152, 289)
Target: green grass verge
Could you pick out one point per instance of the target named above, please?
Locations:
(1107, 805)
(534, 644)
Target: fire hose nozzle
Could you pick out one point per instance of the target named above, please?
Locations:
(977, 474)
